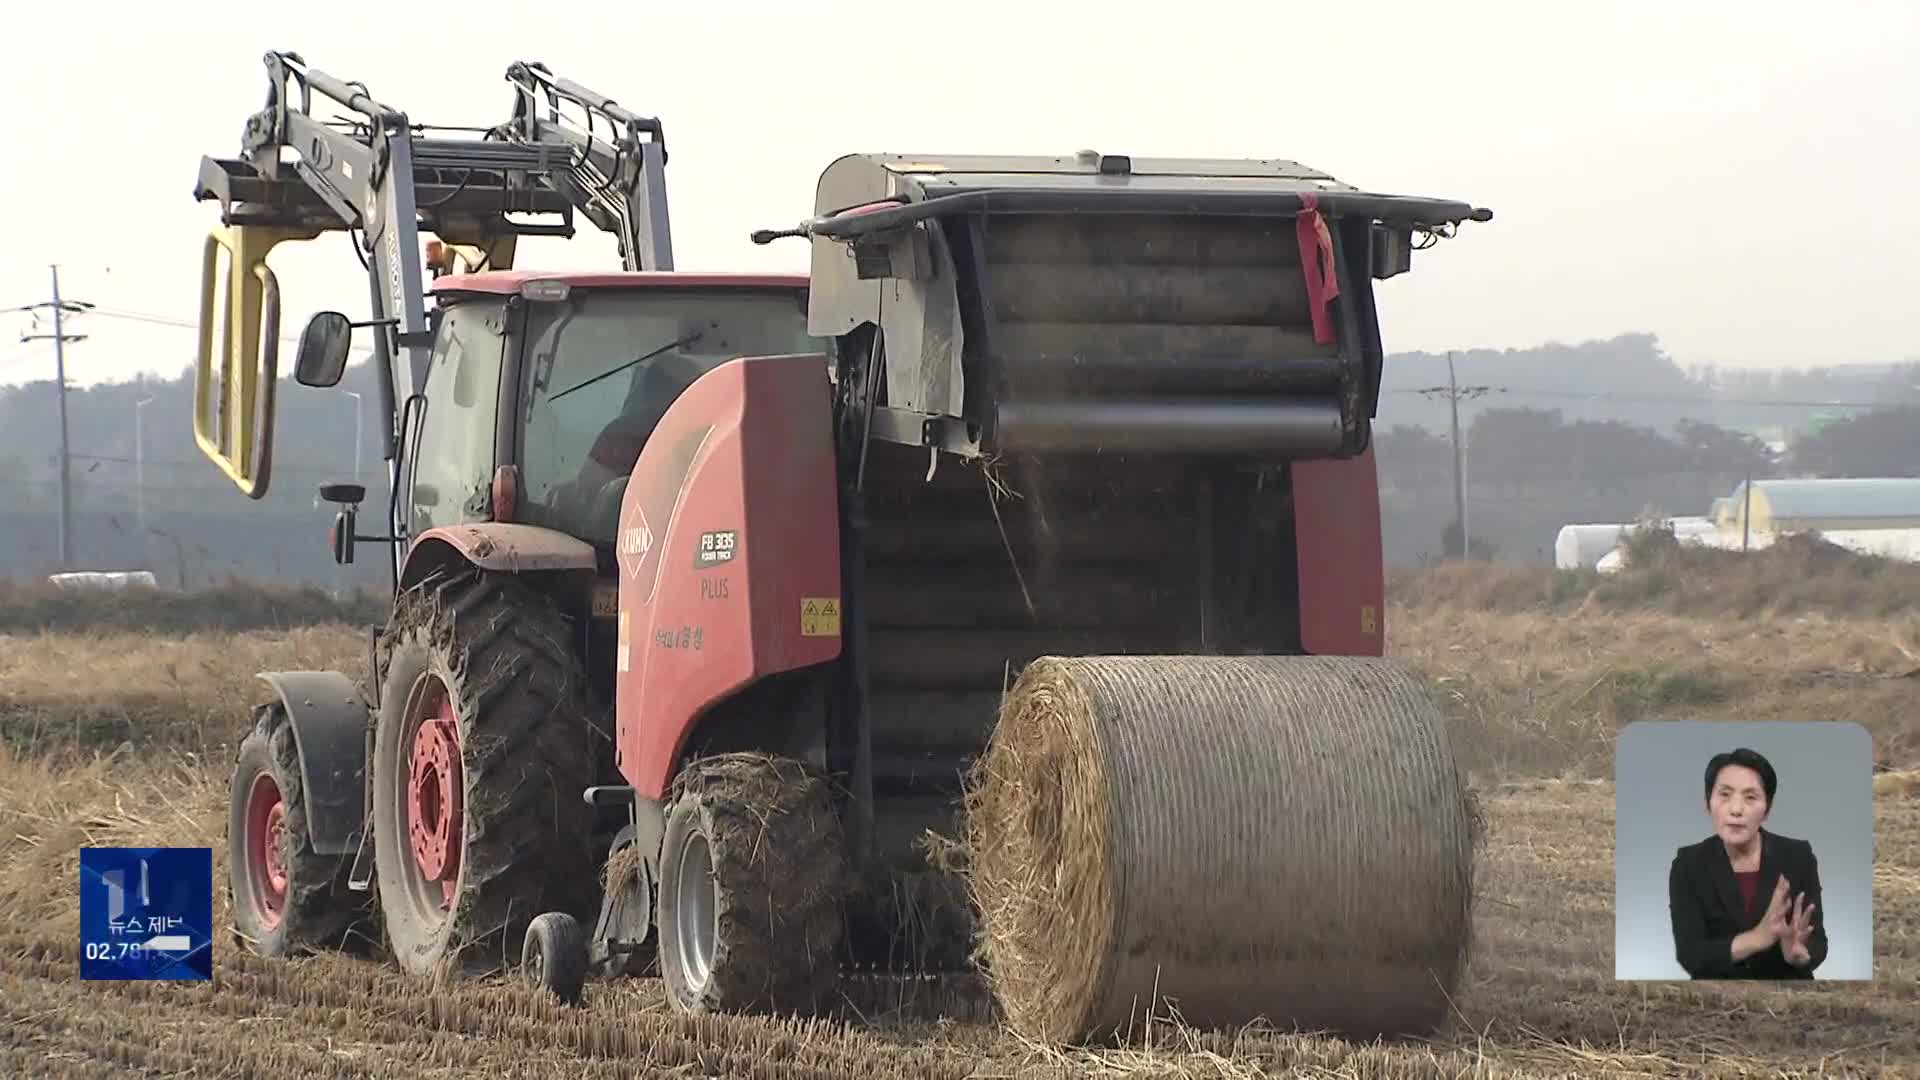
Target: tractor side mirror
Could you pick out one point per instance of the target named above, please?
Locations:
(341, 536)
(323, 350)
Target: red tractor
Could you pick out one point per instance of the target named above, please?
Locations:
(706, 591)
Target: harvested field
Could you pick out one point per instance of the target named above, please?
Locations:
(109, 736)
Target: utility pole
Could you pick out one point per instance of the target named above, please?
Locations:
(140, 465)
(1454, 392)
(1746, 511)
(60, 338)
(1459, 482)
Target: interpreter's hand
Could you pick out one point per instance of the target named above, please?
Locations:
(1779, 917)
(1793, 944)
(1769, 931)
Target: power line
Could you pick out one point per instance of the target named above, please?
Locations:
(1465, 393)
(1455, 392)
(311, 470)
(151, 319)
(141, 316)
(166, 320)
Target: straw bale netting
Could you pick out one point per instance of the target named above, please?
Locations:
(1236, 838)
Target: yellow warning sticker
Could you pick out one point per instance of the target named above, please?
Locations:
(1369, 621)
(820, 616)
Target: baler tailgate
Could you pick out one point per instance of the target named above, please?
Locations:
(1084, 307)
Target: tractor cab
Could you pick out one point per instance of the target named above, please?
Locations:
(541, 388)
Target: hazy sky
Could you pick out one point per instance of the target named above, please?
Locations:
(1740, 178)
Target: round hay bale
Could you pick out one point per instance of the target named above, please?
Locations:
(1237, 837)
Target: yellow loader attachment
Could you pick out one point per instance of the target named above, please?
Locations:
(233, 405)
(469, 251)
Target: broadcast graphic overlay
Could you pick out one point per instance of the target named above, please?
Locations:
(146, 913)
(1743, 851)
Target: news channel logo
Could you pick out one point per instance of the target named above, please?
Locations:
(146, 913)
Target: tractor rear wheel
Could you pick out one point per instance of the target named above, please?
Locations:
(284, 897)
(751, 878)
(480, 756)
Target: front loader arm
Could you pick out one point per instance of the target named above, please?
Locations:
(375, 176)
(619, 185)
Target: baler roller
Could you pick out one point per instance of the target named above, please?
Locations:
(1226, 426)
(1284, 838)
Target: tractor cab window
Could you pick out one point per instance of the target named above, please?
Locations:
(601, 369)
(454, 452)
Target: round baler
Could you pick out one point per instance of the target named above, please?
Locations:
(1129, 646)
(1053, 641)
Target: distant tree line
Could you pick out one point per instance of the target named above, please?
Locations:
(1523, 451)
(1881, 442)
(1625, 427)
(1529, 471)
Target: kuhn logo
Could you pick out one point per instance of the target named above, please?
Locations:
(633, 543)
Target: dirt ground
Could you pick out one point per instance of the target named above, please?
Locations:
(117, 738)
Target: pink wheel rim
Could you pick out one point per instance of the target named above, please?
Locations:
(266, 850)
(435, 794)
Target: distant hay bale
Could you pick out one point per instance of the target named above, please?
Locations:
(1242, 838)
(1579, 547)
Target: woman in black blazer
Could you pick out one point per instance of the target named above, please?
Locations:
(1745, 902)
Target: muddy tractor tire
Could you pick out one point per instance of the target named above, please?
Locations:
(752, 873)
(481, 752)
(284, 898)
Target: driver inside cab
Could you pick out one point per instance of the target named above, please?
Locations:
(593, 458)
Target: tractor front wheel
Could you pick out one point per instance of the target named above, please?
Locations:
(554, 957)
(480, 756)
(752, 870)
(284, 897)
